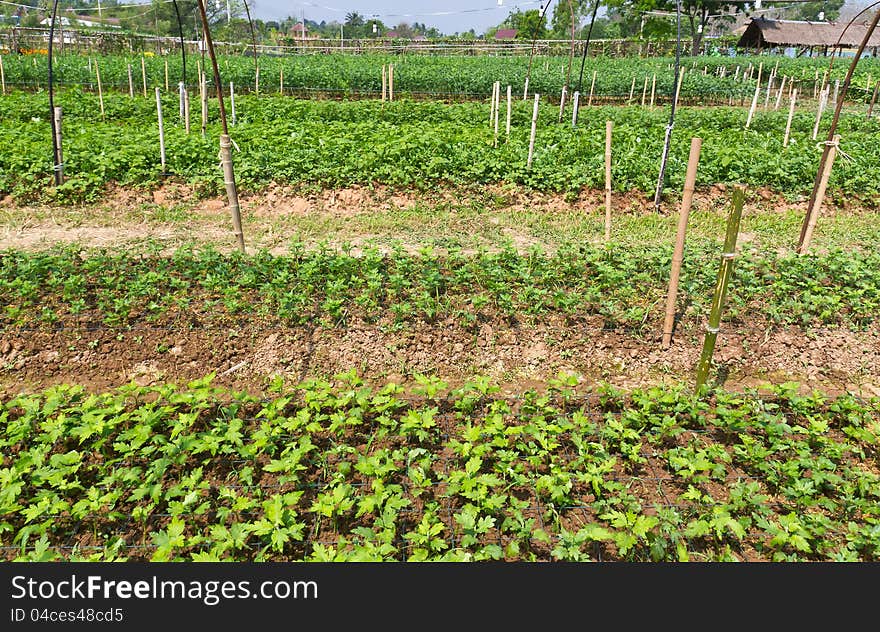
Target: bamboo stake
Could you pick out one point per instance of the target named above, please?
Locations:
(166, 75)
(632, 89)
(497, 99)
(180, 98)
(753, 106)
(534, 129)
(592, 85)
(526, 89)
(232, 101)
(823, 97)
(678, 87)
(130, 83)
(575, 106)
(100, 89)
(813, 212)
(186, 110)
(678, 251)
(204, 97)
(2, 75)
(873, 99)
(144, 75)
(281, 81)
(492, 103)
(161, 129)
(724, 274)
(391, 82)
(769, 88)
(644, 90)
(384, 83)
(779, 94)
(508, 112)
(59, 154)
(790, 117)
(562, 103)
(257, 80)
(653, 88)
(608, 129)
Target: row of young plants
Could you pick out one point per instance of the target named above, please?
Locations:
(420, 145)
(333, 471)
(625, 287)
(443, 76)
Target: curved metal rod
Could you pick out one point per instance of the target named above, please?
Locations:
(543, 14)
(55, 148)
(669, 126)
(254, 40)
(587, 44)
(182, 43)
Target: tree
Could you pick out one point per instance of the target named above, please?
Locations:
(528, 24)
(695, 14)
(560, 23)
(810, 10)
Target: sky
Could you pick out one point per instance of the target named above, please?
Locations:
(449, 16)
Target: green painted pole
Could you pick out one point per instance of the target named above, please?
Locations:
(724, 274)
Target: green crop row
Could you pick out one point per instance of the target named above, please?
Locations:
(441, 75)
(341, 471)
(413, 145)
(624, 287)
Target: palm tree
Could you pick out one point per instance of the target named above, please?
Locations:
(354, 19)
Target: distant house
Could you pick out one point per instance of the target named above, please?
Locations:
(763, 33)
(301, 31)
(505, 34)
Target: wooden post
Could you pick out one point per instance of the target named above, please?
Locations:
(608, 129)
(790, 117)
(2, 75)
(186, 109)
(873, 99)
(813, 212)
(130, 83)
(769, 88)
(779, 94)
(653, 88)
(203, 94)
(526, 89)
(384, 83)
(59, 154)
(823, 97)
(632, 89)
(100, 89)
(508, 112)
(391, 82)
(257, 80)
(644, 90)
(232, 101)
(534, 129)
(724, 274)
(180, 98)
(592, 85)
(753, 106)
(575, 105)
(678, 87)
(161, 129)
(144, 75)
(492, 103)
(231, 189)
(281, 81)
(496, 98)
(678, 252)
(562, 103)
(166, 75)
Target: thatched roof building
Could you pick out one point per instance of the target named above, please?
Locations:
(763, 33)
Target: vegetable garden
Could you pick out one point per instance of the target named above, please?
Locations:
(461, 359)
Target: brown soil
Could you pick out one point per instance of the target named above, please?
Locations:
(516, 357)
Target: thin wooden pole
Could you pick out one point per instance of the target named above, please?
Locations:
(608, 130)
(161, 129)
(281, 81)
(130, 83)
(678, 252)
(813, 212)
(144, 75)
(59, 153)
(2, 75)
(632, 89)
(790, 117)
(492, 103)
(508, 111)
(180, 98)
(653, 88)
(873, 99)
(575, 106)
(166, 75)
(391, 82)
(644, 90)
(779, 94)
(534, 129)
(562, 103)
(232, 102)
(497, 99)
(724, 274)
(203, 96)
(753, 106)
(526, 89)
(592, 85)
(100, 89)
(186, 110)
(384, 83)
(823, 97)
